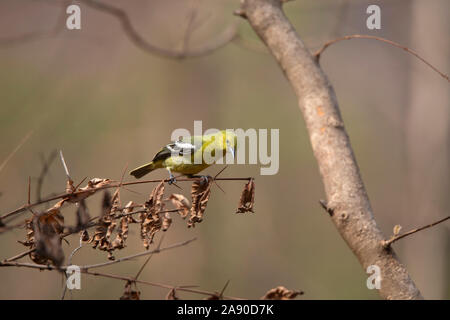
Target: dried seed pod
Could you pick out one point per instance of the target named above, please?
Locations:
(200, 192)
(47, 240)
(151, 221)
(167, 221)
(84, 236)
(397, 229)
(106, 224)
(281, 293)
(130, 294)
(247, 199)
(44, 235)
(122, 234)
(91, 188)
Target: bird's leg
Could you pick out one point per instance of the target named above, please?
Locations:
(171, 177)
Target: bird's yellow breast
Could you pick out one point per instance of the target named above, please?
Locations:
(182, 165)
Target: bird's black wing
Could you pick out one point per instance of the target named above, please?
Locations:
(177, 148)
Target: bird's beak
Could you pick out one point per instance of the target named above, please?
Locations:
(231, 151)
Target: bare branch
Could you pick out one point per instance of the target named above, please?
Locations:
(37, 35)
(395, 44)
(111, 185)
(220, 41)
(98, 265)
(46, 163)
(21, 143)
(388, 243)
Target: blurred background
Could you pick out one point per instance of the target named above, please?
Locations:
(107, 104)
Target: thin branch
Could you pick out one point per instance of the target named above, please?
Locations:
(395, 44)
(388, 243)
(21, 143)
(97, 265)
(46, 163)
(20, 255)
(160, 285)
(70, 263)
(29, 190)
(189, 27)
(220, 41)
(112, 185)
(66, 170)
(85, 270)
(37, 35)
(148, 259)
(157, 250)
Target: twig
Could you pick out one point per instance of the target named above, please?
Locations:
(36, 35)
(148, 259)
(157, 250)
(45, 169)
(155, 284)
(189, 28)
(20, 255)
(21, 143)
(324, 205)
(70, 263)
(97, 265)
(112, 185)
(220, 41)
(395, 44)
(388, 243)
(29, 190)
(64, 164)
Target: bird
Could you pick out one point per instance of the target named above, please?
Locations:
(179, 156)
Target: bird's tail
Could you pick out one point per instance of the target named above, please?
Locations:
(141, 171)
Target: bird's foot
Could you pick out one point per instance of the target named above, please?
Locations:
(204, 178)
(172, 180)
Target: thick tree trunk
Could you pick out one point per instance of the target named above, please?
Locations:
(346, 195)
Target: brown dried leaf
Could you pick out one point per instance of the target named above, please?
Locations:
(129, 208)
(200, 192)
(55, 210)
(106, 225)
(247, 199)
(181, 203)
(47, 240)
(167, 221)
(130, 294)
(84, 236)
(151, 221)
(281, 293)
(121, 237)
(155, 203)
(92, 186)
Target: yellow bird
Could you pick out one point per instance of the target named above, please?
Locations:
(180, 156)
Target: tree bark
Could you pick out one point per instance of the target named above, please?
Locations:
(347, 200)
